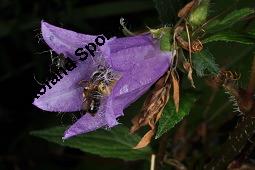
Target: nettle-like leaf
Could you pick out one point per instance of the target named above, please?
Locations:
(229, 20)
(168, 10)
(230, 37)
(170, 117)
(204, 62)
(114, 143)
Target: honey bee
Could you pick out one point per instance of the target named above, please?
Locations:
(99, 85)
(91, 98)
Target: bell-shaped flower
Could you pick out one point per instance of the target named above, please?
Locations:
(137, 61)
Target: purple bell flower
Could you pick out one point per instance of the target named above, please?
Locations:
(137, 60)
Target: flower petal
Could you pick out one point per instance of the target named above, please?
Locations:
(64, 41)
(103, 118)
(122, 53)
(66, 94)
(85, 124)
(141, 66)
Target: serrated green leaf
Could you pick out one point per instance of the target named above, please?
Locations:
(170, 118)
(204, 61)
(230, 37)
(114, 143)
(236, 16)
(211, 26)
(168, 10)
(229, 20)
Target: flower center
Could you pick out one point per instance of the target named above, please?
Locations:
(97, 87)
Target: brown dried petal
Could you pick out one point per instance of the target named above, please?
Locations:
(152, 109)
(145, 140)
(188, 68)
(176, 93)
(186, 9)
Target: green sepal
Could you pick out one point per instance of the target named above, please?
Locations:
(164, 35)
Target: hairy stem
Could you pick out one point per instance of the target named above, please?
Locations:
(234, 144)
(244, 129)
(251, 86)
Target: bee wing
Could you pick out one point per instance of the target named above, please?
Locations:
(85, 105)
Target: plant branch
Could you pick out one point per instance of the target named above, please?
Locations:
(251, 86)
(244, 129)
(235, 143)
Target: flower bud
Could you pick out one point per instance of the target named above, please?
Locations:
(199, 14)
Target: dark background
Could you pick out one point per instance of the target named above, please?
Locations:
(22, 57)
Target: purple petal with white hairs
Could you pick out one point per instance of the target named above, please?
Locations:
(64, 41)
(57, 99)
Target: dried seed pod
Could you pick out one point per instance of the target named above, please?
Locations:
(186, 9)
(196, 46)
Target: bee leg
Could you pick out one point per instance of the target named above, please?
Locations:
(92, 108)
